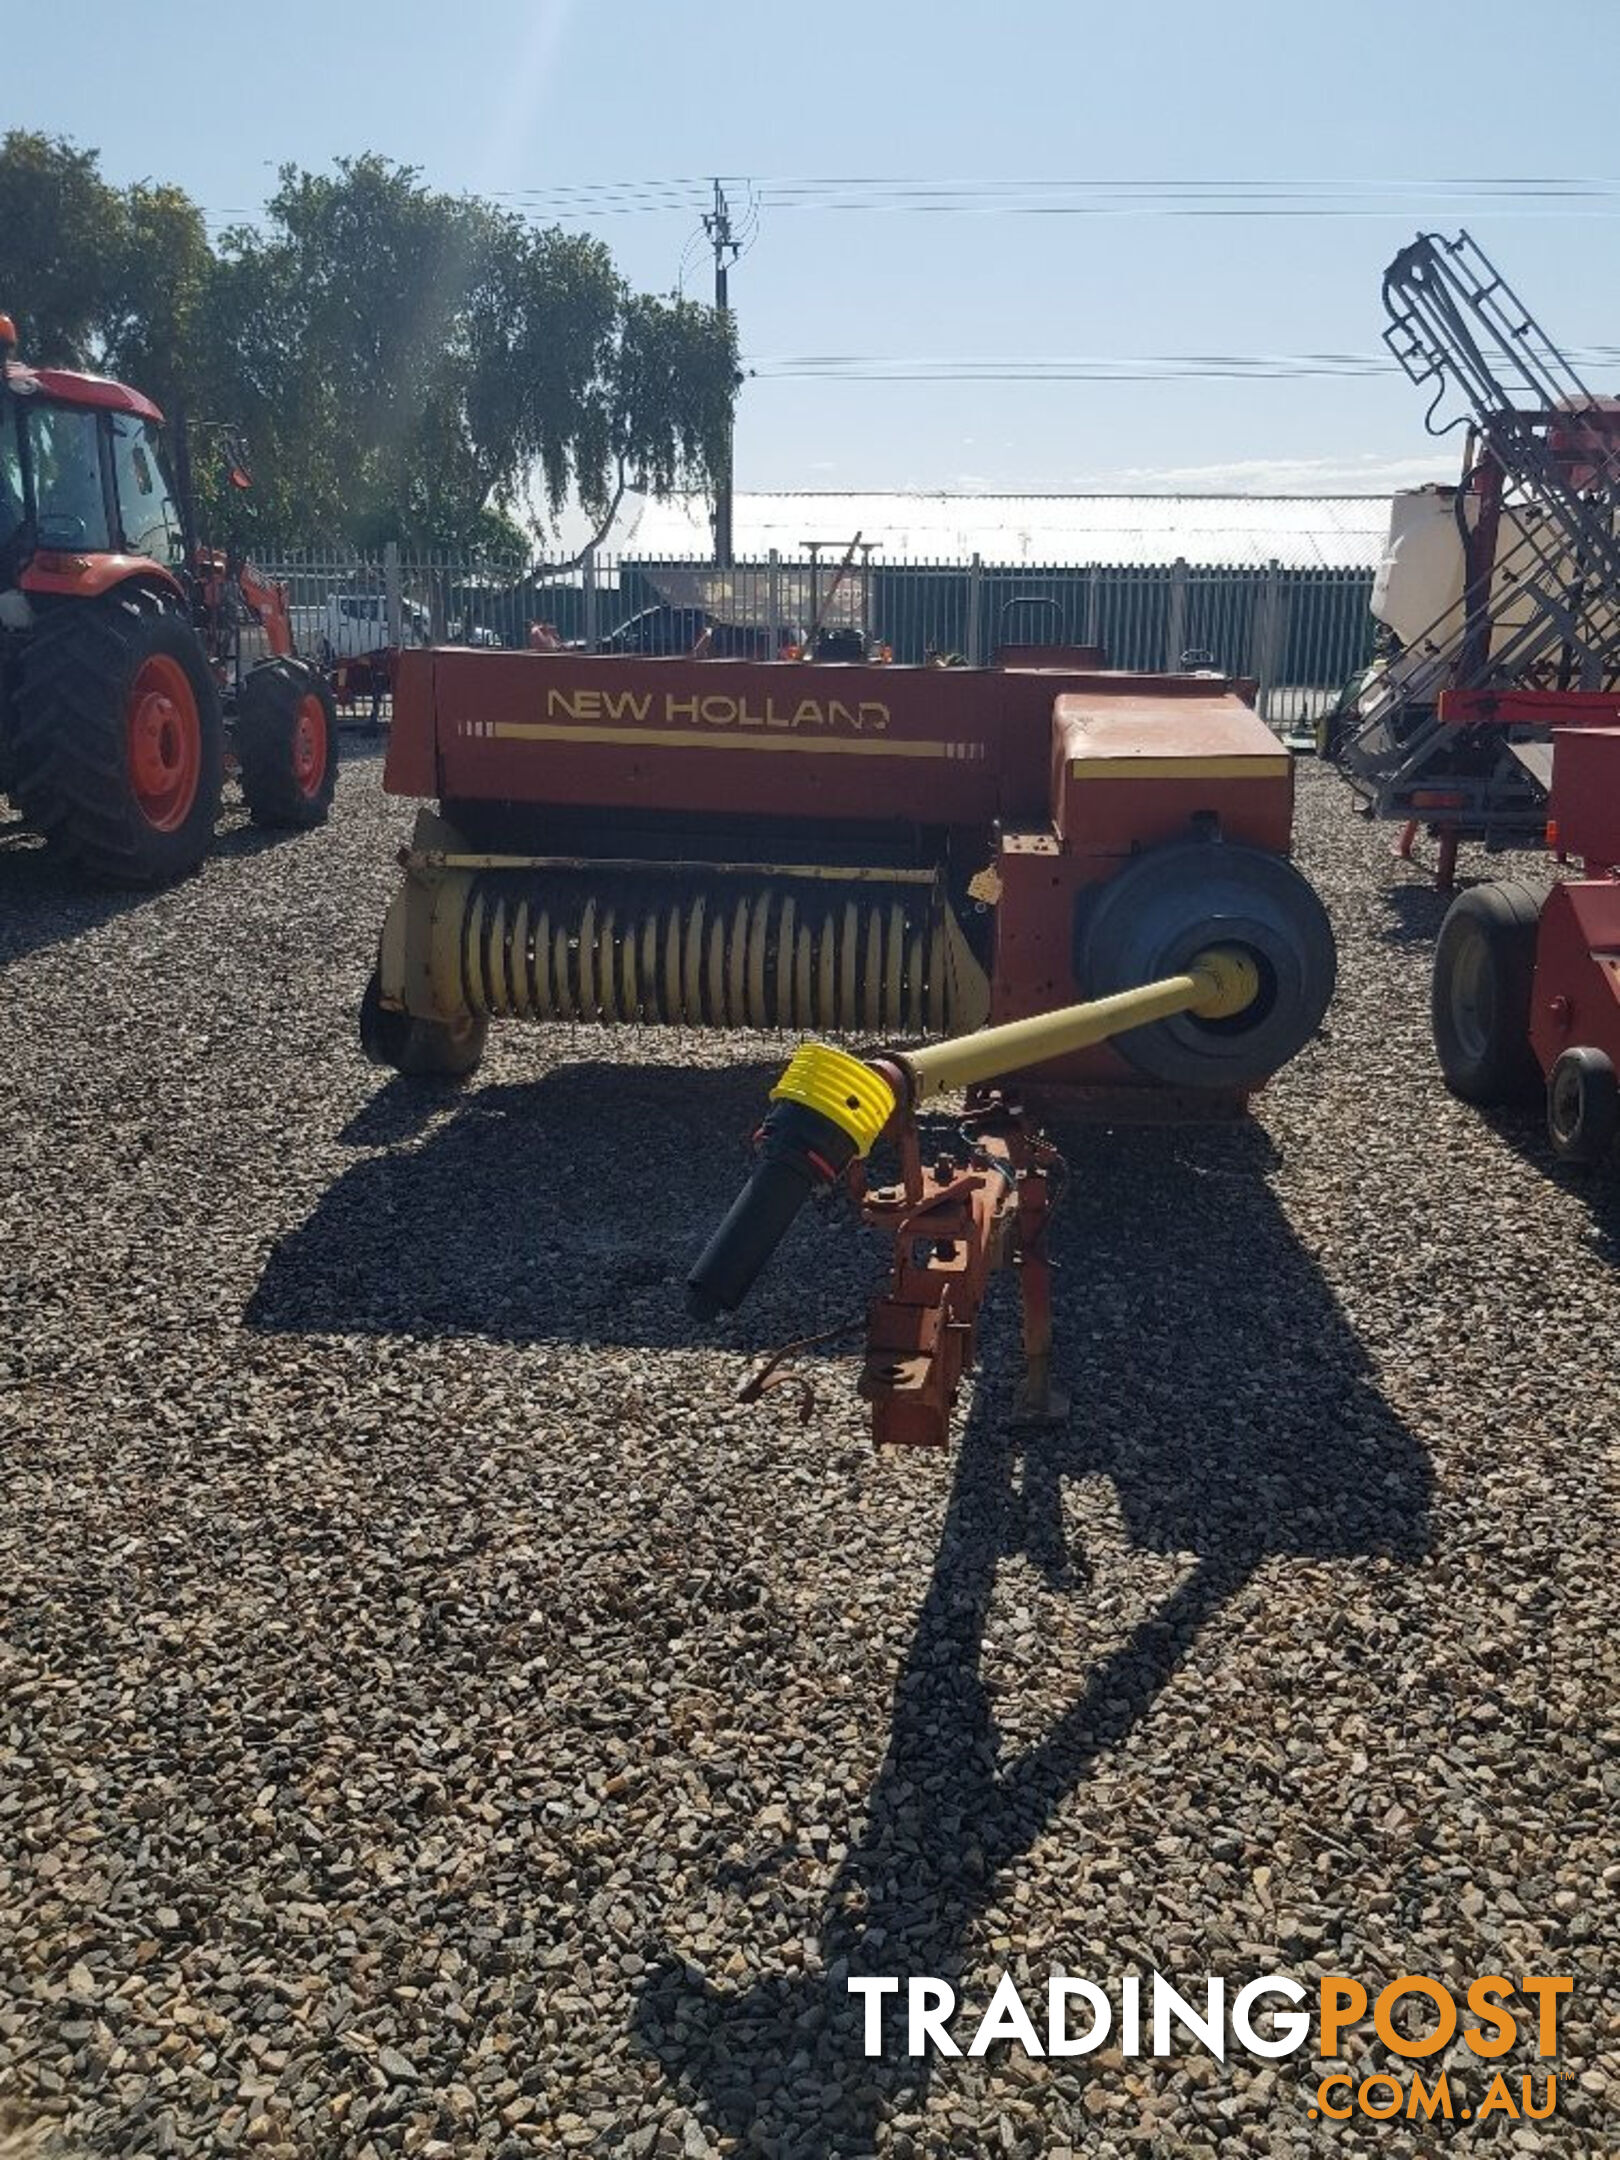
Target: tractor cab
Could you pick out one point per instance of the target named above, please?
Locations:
(82, 477)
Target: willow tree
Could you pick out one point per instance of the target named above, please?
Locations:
(397, 362)
(404, 360)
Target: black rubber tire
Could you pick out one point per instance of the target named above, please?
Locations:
(1479, 997)
(1583, 1106)
(267, 738)
(419, 1049)
(71, 775)
(1170, 903)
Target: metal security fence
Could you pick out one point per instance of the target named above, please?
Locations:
(1298, 632)
(339, 600)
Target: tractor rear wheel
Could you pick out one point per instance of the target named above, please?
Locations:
(117, 751)
(1583, 1106)
(419, 1049)
(286, 744)
(1484, 964)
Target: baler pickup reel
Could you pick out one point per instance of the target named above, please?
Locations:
(982, 1206)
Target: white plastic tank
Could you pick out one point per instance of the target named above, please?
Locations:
(1420, 578)
(1418, 587)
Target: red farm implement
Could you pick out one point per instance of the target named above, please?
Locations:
(1499, 599)
(134, 660)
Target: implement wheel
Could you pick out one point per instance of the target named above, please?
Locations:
(1169, 904)
(117, 755)
(1484, 964)
(419, 1049)
(1583, 1107)
(286, 744)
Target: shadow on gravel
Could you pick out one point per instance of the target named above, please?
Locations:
(42, 904)
(1416, 912)
(240, 842)
(1217, 1386)
(1597, 1188)
(568, 1209)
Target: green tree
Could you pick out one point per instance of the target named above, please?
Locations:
(448, 352)
(399, 363)
(60, 230)
(95, 277)
(158, 284)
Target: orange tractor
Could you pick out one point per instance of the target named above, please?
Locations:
(134, 662)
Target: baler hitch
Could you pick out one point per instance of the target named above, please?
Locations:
(953, 1221)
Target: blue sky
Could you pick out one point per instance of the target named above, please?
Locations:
(1380, 103)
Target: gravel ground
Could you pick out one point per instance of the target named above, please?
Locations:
(436, 1720)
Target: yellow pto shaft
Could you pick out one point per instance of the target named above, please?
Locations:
(829, 1107)
(1220, 982)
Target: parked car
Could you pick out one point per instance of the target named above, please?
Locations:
(352, 626)
(843, 642)
(666, 631)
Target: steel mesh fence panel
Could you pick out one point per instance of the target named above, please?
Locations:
(1299, 632)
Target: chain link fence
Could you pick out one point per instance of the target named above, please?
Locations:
(1300, 633)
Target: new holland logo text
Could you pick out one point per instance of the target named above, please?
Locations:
(640, 707)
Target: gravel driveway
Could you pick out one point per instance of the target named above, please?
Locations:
(436, 1720)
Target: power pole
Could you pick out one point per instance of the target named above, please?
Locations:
(718, 227)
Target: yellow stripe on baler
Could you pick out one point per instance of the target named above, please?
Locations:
(727, 738)
(1259, 767)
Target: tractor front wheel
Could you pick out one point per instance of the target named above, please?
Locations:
(418, 1049)
(1484, 965)
(1583, 1106)
(117, 751)
(286, 744)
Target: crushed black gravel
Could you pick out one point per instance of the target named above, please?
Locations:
(436, 1719)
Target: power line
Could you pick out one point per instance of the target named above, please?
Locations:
(1163, 367)
(1093, 197)
(1516, 196)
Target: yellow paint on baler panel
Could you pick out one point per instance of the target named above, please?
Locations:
(846, 971)
(606, 1003)
(587, 961)
(736, 980)
(692, 962)
(760, 939)
(564, 989)
(787, 955)
(826, 978)
(1161, 768)
(894, 1003)
(670, 991)
(691, 738)
(630, 1000)
(499, 991)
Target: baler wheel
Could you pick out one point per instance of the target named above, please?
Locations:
(286, 744)
(1484, 965)
(117, 745)
(1167, 905)
(418, 1049)
(1583, 1106)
